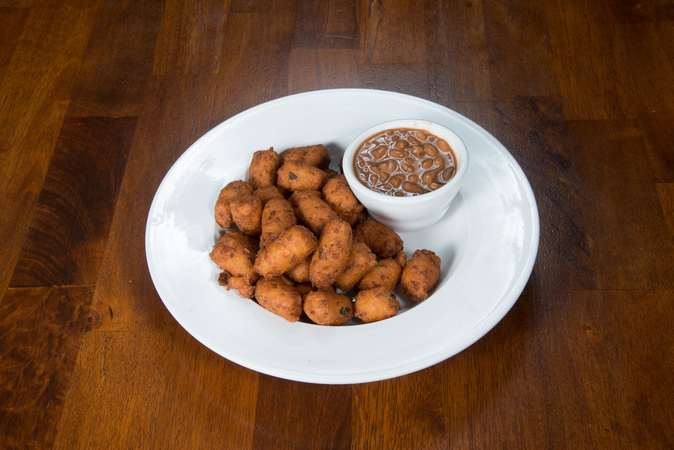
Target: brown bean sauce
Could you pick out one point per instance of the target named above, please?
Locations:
(404, 162)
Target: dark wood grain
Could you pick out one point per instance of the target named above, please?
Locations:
(67, 237)
(118, 61)
(12, 21)
(40, 334)
(325, 413)
(98, 99)
(628, 239)
(538, 141)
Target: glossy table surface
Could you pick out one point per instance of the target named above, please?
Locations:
(98, 100)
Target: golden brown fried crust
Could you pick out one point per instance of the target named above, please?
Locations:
(328, 308)
(311, 210)
(420, 275)
(360, 261)
(376, 304)
(331, 256)
(297, 176)
(313, 155)
(300, 273)
(401, 258)
(285, 252)
(277, 296)
(242, 285)
(267, 193)
(235, 254)
(263, 168)
(231, 191)
(338, 195)
(383, 241)
(277, 217)
(385, 273)
(247, 214)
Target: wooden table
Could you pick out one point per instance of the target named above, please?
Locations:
(99, 98)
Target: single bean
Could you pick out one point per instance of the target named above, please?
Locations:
(396, 153)
(418, 152)
(388, 165)
(373, 179)
(383, 176)
(434, 186)
(378, 152)
(374, 168)
(430, 150)
(412, 141)
(409, 168)
(414, 178)
(409, 160)
(426, 163)
(401, 144)
(448, 173)
(396, 180)
(421, 136)
(443, 145)
(427, 177)
(413, 188)
(437, 162)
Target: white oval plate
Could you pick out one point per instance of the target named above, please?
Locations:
(487, 241)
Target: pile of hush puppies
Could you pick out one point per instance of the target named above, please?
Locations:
(298, 242)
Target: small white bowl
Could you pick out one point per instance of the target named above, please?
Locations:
(411, 212)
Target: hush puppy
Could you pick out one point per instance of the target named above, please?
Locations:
(331, 256)
(328, 308)
(311, 210)
(263, 168)
(285, 252)
(383, 241)
(277, 218)
(279, 297)
(297, 176)
(247, 214)
(360, 261)
(385, 273)
(376, 304)
(314, 155)
(232, 190)
(420, 275)
(235, 253)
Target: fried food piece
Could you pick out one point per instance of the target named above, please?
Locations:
(263, 168)
(331, 256)
(311, 210)
(267, 193)
(235, 253)
(298, 176)
(231, 191)
(314, 155)
(285, 252)
(401, 258)
(277, 218)
(383, 241)
(242, 285)
(328, 308)
(376, 304)
(385, 273)
(420, 275)
(360, 261)
(277, 296)
(300, 273)
(338, 195)
(247, 214)
(330, 174)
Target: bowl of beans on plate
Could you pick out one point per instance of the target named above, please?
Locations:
(406, 172)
